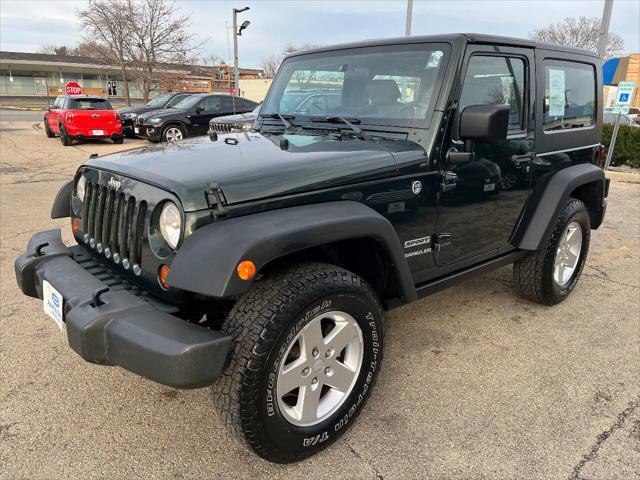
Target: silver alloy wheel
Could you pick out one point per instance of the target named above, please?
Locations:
(508, 181)
(320, 368)
(568, 253)
(173, 134)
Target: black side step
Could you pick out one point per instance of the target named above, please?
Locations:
(440, 283)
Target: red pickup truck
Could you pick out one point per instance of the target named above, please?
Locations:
(82, 117)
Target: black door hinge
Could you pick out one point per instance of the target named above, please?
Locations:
(215, 199)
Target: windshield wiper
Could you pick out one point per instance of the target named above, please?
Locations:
(349, 123)
(283, 118)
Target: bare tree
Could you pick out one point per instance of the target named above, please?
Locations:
(160, 36)
(55, 49)
(91, 49)
(270, 64)
(581, 32)
(109, 25)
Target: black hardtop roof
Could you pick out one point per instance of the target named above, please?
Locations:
(481, 38)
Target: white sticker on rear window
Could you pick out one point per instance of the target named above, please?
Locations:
(556, 93)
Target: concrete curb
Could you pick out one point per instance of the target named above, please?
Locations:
(22, 108)
(625, 177)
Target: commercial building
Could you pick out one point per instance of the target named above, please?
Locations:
(34, 76)
(621, 69)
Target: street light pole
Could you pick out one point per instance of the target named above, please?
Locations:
(236, 71)
(604, 27)
(407, 31)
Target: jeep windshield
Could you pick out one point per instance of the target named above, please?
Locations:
(386, 85)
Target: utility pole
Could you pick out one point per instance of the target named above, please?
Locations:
(407, 31)
(604, 27)
(236, 71)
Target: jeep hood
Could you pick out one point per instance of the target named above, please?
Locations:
(250, 166)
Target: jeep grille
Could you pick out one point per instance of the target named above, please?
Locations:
(222, 127)
(114, 221)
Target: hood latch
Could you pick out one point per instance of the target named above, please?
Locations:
(215, 199)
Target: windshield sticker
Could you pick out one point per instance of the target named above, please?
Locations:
(556, 93)
(434, 59)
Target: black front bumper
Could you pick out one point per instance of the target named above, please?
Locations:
(128, 126)
(150, 132)
(117, 327)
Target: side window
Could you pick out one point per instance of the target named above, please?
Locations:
(211, 104)
(175, 100)
(569, 95)
(58, 103)
(492, 80)
(227, 104)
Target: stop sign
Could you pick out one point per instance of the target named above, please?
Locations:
(73, 88)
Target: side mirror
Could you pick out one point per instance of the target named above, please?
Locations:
(199, 109)
(483, 124)
(47, 108)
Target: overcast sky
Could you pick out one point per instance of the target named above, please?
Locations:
(27, 25)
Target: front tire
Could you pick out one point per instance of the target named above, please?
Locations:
(310, 336)
(47, 130)
(549, 275)
(173, 133)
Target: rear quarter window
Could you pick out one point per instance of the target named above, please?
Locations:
(569, 96)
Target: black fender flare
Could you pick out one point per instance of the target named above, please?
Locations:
(206, 263)
(61, 207)
(547, 199)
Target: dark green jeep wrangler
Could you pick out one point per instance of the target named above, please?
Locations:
(261, 262)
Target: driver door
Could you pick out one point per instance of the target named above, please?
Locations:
(481, 200)
(208, 108)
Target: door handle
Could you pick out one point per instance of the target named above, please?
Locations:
(519, 160)
(449, 180)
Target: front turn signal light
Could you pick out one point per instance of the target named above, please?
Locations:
(74, 225)
(246, 270)
(163, 272)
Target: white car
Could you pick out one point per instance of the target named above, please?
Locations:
(610, 117)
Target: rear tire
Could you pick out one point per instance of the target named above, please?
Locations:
(285, 315)
(118, 140)
(65, 138)
(550, 274)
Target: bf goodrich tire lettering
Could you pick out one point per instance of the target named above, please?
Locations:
(264, 324)
(550, 274)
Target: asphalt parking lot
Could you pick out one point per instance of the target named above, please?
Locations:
(477, 383)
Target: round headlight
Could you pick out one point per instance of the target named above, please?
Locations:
(170, 224)
(81, 188)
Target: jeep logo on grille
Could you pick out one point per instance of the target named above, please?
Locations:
(113, 183)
